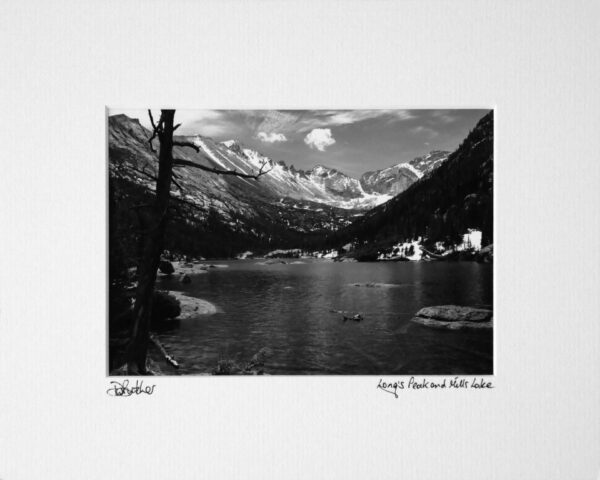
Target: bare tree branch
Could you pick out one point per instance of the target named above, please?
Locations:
(178, 162)
(187, 144)
(152, 120)
(143, 172)
(174, 179)
(188, 203)
(176, 126)
(155, 129)
(143, 205)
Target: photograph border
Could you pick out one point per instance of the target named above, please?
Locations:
(535, 61)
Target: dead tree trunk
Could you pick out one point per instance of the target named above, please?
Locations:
(153, 219)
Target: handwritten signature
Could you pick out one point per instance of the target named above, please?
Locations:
(118, 389)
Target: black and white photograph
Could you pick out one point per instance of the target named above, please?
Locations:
(301, 242)
(299, 239)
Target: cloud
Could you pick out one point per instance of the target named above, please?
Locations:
(445, 116)
(354, 116)
(426, 132)
(312, 119)
(271, 137)
(319, 138)
(290, 122)
(274, 120)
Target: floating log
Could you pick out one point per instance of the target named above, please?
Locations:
(168, 357)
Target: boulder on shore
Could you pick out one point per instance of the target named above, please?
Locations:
(486, 254)
(192, 307)
(166, 267)
(164, 307)
(454, 317)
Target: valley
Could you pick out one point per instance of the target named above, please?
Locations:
(287, 208)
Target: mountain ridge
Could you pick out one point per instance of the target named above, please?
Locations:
(321, 184)
(397, 178)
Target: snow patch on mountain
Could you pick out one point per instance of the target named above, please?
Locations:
(408, 250)
(199, 143)
(408, 166)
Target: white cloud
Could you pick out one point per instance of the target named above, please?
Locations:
(355, 116)
(294, 121)
(271, 137)
(319, 138)
(312, 119)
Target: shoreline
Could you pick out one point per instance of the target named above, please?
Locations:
(191, 307)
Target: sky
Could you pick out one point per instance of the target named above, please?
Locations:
(352, 141)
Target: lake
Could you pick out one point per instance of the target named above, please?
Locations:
(294, 310)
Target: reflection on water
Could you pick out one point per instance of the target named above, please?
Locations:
(292, 309)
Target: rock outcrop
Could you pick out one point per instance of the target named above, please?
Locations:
(486, 254)
(164, 307)
(192, 307)
(166, 267)
(454, 317)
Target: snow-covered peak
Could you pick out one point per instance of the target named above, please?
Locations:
(321, 184)
(428, 163)
(408, 166)
(322, 171)
(397, 178)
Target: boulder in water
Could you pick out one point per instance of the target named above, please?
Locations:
(185, 279)
(454, 317)
(357, 318)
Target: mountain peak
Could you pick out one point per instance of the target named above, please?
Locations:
(397, 178)
(234, 146)
(321, 170)
(429, 162)
(122, 119)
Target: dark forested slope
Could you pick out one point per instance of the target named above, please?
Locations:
(443, 205)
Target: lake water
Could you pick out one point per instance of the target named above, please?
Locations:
(289, 308)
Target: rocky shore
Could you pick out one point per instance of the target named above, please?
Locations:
(192, 307)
